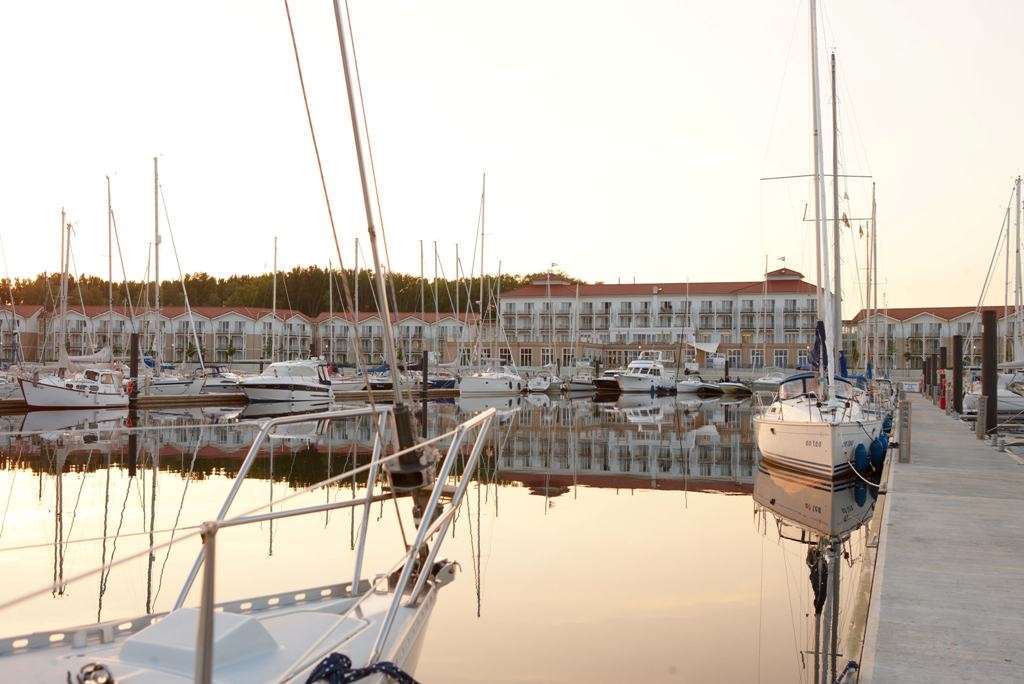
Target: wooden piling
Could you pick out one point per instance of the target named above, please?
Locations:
(958, 373)
(988, 368)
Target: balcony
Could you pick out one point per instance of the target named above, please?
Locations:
(625, 321)
(643, 321)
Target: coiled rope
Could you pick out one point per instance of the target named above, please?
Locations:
(337, 669)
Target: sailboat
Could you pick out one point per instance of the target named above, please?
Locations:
(810, 427)
(493, 377)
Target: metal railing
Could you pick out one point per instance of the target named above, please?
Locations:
(208, 531)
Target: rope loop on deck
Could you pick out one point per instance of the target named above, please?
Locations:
(337, 669)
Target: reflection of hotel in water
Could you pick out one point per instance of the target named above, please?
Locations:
(658, 443)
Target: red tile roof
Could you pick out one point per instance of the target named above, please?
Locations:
(254, 313)
(946, 313)
(429, 317)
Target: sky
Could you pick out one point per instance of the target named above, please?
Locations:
(621, 140)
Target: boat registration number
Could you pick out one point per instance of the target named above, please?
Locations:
(816, 443)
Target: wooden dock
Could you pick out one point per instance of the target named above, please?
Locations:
(948, 598)
(238, 399)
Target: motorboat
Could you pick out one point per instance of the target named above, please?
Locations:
(813, 435)
(363, 619)
(732, 387)
(609, 381)
(492, 379)
(289, 381)
(217, 380)
(646, 374)
(170, 386)
(695, 384)
(1008, 394)
(89, 388)
(582, 377)
(545, 381)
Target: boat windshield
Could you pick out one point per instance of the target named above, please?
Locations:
(798, 386)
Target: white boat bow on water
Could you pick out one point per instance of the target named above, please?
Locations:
(90, 388)
(493, 379)
(545, 381)
(296, 635)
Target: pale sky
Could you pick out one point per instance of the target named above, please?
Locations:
(621, 140)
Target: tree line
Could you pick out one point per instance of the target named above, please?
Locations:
(303, 288)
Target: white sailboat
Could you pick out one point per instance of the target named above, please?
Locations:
(810, 427)
(545, 381)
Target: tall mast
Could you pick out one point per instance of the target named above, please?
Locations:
(158, 341)
(838, 316)
(273, 309)
(355, 278)
(437, 310)
(483, 210)
(1006, 290)
(110, 269)
(458, 321)
(825, 302)
(423, 285)
(330, 306)
(65, 237)
(389, 337)
(1017, 292)
(874, 273)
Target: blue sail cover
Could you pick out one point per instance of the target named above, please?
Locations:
(819, 355)
(843, 370)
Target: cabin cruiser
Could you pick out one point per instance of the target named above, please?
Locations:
(1009, 394)
(695, 384)
(217, 379)
(545, 381)
(820, 437)
(89, 388)
(289, 381)
(609, 380)
(493, 379)
(646, 374)
(582, 377)
(170, 386)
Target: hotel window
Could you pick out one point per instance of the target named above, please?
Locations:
(505, 354)
(757, 358)
(526, 357)
(801, 358)
(566, 358)
(781, 358)
(545, 356)
(734, 357)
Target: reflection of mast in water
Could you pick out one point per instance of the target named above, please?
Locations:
(103, 545)
(177, 517)
(58, 522)
(154, 462)
(270, 549)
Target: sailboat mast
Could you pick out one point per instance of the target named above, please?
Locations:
(423, 285)
(824, 313)
(64, 238)
(1006, 290)
(330, 306)
(458, 321)
(837, 321)
(157, 336)
(437, 309)
(110, 268)
(273, 309)
(355, 278)
(483, 221)
(874, 274)
(1017, 292)
(389, 335)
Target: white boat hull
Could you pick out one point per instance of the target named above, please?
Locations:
(643, 383)
(172, 388)
(819, 448)
(287, 390)
(499, 385)
(44, 395)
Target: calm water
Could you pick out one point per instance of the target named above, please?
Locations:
(607, 541)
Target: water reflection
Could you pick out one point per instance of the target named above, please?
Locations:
(651, 488)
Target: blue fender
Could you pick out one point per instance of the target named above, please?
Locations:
(861, 461)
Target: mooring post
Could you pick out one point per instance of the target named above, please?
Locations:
(926, 372)
(958, 374)
(133, 369)
(423, 369)
(935, 378)
(988, 369)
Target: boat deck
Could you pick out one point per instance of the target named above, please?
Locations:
(948, 600)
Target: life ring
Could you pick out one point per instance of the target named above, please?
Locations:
(129, 386)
